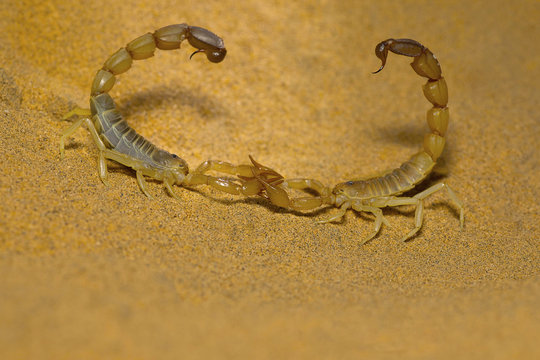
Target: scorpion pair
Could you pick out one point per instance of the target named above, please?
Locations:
(117, 141)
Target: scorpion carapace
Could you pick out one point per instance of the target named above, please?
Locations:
(117, 141)
(370, 195)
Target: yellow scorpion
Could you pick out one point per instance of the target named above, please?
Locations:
(370, 195)
(117, 141)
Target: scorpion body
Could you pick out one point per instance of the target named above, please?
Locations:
(370, 195)
(117, 141)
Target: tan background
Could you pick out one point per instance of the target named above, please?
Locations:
(89, 271)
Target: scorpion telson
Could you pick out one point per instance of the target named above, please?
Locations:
(208, 43)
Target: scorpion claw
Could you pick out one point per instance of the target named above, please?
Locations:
(265, 170)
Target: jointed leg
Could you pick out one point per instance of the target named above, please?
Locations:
(338, 216)
(102, 165)
(433, 189)
(418, 202)
(73, 127)
(142, 184)
(127, 161)
(418, 214)
(70, 130)
(379, 219)
(77, 111)
(168, 185)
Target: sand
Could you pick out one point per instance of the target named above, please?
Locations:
(89, 271)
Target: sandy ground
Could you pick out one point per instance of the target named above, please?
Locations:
(89, 271)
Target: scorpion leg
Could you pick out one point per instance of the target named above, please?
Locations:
(437, 187)
(102, 168)
(342, 210)
(77, 111)
(418, 214)
(102, 165)
(142, 183)
(69, 131)
(168, 185)
(379, 219)
(102, 149)
(418, 219)
(418, 202)
(138, 166)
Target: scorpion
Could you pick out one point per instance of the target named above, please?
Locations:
(117, 141)
(372, 194)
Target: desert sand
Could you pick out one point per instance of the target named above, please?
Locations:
(90, 271)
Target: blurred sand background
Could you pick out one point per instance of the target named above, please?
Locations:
(89, 271)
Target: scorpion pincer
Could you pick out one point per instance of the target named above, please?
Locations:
(370, 195)
(117, 141)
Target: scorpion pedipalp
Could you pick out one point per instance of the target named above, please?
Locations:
(406, 47)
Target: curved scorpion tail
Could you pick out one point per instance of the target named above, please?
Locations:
(435, 90)
(143, 47)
